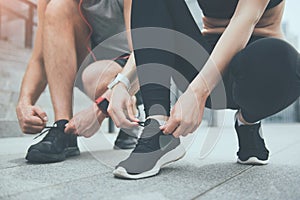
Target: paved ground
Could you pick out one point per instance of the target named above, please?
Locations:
(215, 176)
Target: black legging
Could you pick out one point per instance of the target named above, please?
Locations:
(261, 80)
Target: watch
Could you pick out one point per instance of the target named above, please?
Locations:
(102, 104)
(120, 78)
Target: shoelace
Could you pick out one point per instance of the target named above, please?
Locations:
(143, 144)
(142, 124)
(145, 141)
(46, 129)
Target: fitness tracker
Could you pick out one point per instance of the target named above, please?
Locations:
(120, 78)
(102, 104)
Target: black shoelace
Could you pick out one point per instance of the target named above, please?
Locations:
(142, 124)
(146, 144)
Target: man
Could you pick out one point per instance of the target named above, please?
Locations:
(58, 52)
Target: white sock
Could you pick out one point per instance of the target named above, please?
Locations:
(161, 122)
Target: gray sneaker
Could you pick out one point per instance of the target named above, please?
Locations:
(153, 151)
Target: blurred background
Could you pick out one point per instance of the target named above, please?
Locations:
(18, 24)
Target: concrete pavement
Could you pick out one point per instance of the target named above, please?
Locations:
(216, 176)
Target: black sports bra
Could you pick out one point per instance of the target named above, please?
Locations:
(225, 8)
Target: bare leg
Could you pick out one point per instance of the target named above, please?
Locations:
(97, 76)
(63, 29)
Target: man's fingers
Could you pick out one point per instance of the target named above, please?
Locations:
(32, 129)
(34, 121)
(40, 113)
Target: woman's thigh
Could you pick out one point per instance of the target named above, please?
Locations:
(265, 78)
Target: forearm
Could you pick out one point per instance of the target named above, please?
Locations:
(33, 84)
(34, 80)
(127, 19)
(129, 71)
(233, 40)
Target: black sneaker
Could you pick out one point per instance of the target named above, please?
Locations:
(56, 146)
(153, 150)
(252, 148)
(127, 139)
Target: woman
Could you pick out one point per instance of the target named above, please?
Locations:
(260, 72)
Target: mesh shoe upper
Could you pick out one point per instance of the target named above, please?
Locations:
(56, 141)
(251, 142)
(151, 146)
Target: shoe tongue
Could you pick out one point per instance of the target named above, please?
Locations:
(61, 123)
(151, 128)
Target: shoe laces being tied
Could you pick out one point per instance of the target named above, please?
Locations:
(149, 139)
(51, 133)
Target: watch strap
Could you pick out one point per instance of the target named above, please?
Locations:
(120, 78)
(102, 104)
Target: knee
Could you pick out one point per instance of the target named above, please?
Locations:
(60, 11)
(100, 74)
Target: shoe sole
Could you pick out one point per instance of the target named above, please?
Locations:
(253, 161)
(168, 158)
(35, 156)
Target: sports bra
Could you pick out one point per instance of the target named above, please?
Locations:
(225, 8)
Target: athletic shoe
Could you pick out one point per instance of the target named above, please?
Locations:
(127, 138)
(252, 149)
(56, 146)
(153, 151)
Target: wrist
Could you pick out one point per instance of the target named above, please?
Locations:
(120, 79)
(102, 105)
(24, 102)
(200, 89)
(120, 85)
(98, 112)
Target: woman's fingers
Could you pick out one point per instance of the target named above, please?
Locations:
(171, 125)
(71, 128)
(180, 130)
(131, 111)
(120, 119)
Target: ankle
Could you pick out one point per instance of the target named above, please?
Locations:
(241, 121)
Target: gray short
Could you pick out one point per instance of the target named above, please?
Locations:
(107, 20)
(109, 39)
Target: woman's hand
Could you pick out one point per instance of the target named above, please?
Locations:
(86, 123)
(187, 113)
(122, 107)
(32, 119)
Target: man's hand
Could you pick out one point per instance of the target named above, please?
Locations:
(186, 114)
(122, 107)
(86, 123)
(32, 119)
